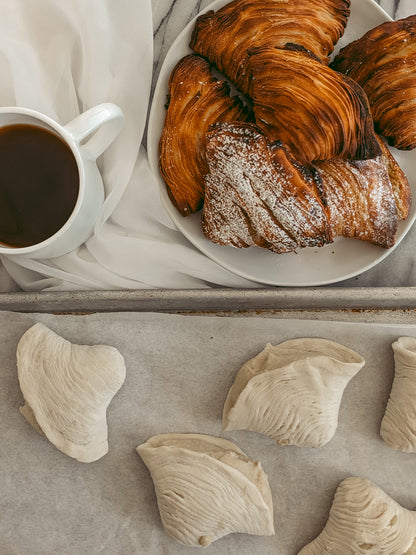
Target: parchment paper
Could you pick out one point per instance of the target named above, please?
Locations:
(179, 369)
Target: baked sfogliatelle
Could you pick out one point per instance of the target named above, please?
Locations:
(257, 194)
(383, 61)
(292, 391)
(196, 100)
(318, 113)
(365, 199)
(359, 198)
(206, 488)
(225, 36)
(399, 182)
(398, 427)
(67, 389)
(364, 520)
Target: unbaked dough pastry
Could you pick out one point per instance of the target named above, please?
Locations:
(257, 194)
(292, 392)
(206, 488)
(383, 62)
(196, 100)
(67, 389)
(365, 520)
(398, 427)
(317, 112)
(225, 36)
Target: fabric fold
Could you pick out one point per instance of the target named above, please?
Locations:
(62, 58)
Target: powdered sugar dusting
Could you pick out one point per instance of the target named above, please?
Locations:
(360, 199)
(255, 195)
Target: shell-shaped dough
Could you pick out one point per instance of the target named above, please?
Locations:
(398, 427)
(292, 391)
(67, 389)
(364, 519)
(206, 488)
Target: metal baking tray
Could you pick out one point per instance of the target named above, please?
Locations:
(397, 302)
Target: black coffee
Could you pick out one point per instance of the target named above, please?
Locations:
(39, 184)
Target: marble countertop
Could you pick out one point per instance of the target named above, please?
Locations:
(171, 16)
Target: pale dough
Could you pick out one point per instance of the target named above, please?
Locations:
(67, 389)
(206, 488)
(292, 391)
(398, 427)
(364, 520)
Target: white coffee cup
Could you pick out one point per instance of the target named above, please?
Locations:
(87, 136)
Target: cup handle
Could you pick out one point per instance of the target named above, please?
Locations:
(95, 129)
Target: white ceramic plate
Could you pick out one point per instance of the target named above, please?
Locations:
(340, 260)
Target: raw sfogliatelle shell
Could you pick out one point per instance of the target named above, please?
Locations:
(292, 391)
(67, 389)
(365, 520)
(398, 427)
(206, 488)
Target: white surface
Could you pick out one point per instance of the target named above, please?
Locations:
(340, 260)
(179, 370)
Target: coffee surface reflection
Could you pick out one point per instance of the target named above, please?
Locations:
(39, 184)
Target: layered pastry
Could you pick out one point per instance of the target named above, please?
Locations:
(398, 427)
(365, 198)
(399, 182)
(196, 100)
(292, 391)
(317, 112)
(225, 36)
(257, 194)
(303, 164)
(206, 488)
(365, 520)
(383, 61)
(359, 199)
(67, 389)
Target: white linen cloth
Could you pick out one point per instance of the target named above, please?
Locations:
(61, 58)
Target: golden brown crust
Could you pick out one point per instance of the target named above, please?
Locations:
(359, 199)
(224, 36)
(383, 61)
(196, 100)
(318, 113)
(399, 182)
(256, 194)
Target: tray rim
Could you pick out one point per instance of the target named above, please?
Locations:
(212, 300)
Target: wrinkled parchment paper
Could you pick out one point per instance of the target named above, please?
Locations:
(179, 369)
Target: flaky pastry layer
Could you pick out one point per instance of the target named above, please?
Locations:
(383, 61)
(224, 36)
(196, 100)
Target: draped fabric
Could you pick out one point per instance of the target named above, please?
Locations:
(62, 58)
